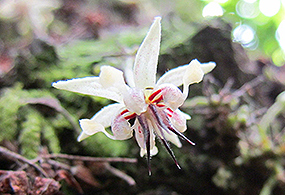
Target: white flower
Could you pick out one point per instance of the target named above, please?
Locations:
(30, 14)
(153, 105)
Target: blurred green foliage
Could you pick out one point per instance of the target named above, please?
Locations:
(241, 12)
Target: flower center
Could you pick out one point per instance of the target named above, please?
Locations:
(155, 118)
(155, 98)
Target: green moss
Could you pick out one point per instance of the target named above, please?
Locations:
(36, 131)
(30, 135)
(10, 102)
(17, 117)
(49, 134)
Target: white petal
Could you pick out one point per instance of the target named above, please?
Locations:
(82, 136)
(128, 71)
(208, 67)
(89, 86)
(193, 73)
(112, 77)
(153, 151)
(135, 101)
(147, 57)
(175, 76)
(90, 127)
(99, 121)
(173, 139)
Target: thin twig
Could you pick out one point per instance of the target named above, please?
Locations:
(89, 158)
(58, 164)
(15, 156)
(120, 174)
(251, 84)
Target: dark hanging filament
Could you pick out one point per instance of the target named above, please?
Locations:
(163, 123)
(146, 133)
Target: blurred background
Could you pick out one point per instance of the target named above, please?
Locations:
(237, 112)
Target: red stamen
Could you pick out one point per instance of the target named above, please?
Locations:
(169, 115)
(150, 98)
(158, 99)
(170, 110)
(124, 111)
(160, 105)
(130, 116)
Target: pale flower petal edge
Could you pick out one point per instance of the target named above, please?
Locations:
(146, 60)
(90, 127)
(175, 75)
(89, 86)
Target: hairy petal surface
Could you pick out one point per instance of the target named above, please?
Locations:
(112, 77)
(175, 75)
(147, 57)
(89, 86)
(135, 100)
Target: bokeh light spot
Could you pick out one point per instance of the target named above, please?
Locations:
(245, 35)
(212, 9)
(269, 7)
(280, 35)
(247, 9)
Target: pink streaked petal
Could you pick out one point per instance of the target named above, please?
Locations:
(172, 95)
(139, 135)
(178, 120)
(121, 128)
(89, 86)
(147, 57)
